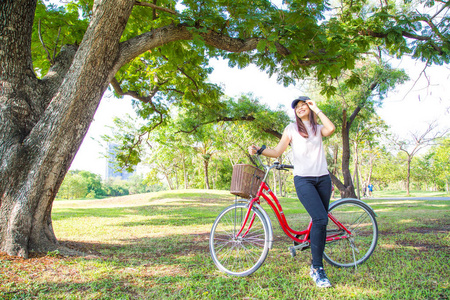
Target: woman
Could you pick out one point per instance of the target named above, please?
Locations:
(311, 178)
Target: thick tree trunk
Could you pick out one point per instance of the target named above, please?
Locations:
(346, 188)
(349, 189)
(43, 122)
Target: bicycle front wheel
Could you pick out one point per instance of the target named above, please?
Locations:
(244, 254)
(348, 250)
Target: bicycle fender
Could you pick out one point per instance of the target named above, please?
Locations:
(269, 223)
(266, 217)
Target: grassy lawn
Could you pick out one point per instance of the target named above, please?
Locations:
(155, 246)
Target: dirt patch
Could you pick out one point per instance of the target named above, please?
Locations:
(425, 230)
(420, 244)
(430, 228)
(425, 246)
(193, 243)
(83, 247)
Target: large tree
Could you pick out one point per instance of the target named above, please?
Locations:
(46, 113)
(360, 92)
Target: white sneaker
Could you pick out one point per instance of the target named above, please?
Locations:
(319, 277)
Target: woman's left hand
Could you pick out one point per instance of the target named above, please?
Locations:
(312, 106)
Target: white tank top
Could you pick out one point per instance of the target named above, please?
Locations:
(308, 154)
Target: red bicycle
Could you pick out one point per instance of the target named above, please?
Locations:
(242, 233)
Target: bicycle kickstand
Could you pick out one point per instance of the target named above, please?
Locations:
(301, 247)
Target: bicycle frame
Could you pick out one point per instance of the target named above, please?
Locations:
(278, 210)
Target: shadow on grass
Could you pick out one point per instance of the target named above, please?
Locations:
(106, 288)
(145, 248)
(179, 267)
(412, 243)
(176, 215)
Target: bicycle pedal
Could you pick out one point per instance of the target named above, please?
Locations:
(292, 251)
(302, 246)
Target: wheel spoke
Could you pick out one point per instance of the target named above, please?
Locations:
(356, 248)
(238, 255)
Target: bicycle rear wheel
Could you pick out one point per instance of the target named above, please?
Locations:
(242, 255)
(357, 247)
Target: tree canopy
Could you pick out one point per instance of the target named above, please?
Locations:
(290, 39)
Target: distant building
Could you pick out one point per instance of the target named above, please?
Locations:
(111, 171)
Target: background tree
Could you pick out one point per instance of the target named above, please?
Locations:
(198, 127)
(84, 184)
(365, 142)
(359, 93)
(163, 161)
(74, 186)
(205, 144)
(388, 171)
(423, 173)
(371, 156)
(441, 162)
(412, 146)
(45, 115)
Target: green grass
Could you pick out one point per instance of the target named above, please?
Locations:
(155, 246)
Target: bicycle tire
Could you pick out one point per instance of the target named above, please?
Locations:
(360, 219)
(239, 256)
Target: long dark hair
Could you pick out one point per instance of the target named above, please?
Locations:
(301, 126)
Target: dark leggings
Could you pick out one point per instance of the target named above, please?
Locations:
(315, 194)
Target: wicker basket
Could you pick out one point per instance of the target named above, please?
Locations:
(246, 180)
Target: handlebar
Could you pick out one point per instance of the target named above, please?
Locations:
(275, 165)
(284, 167)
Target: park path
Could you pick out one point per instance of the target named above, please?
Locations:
(407, 198)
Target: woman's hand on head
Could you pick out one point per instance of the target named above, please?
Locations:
(312, 106)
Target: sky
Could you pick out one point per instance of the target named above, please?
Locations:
(410, 108)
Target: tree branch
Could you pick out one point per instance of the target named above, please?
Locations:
(417, 80)
(139, 3)
(370, 89)
(43, 44)
(228, 119)
(146, 99)
(184, 73)
(384, 35)
(55, 76)
(137, 45)
(419, 141)
(439, 11)
(406, 35)
(56, 43)
(216, 120)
